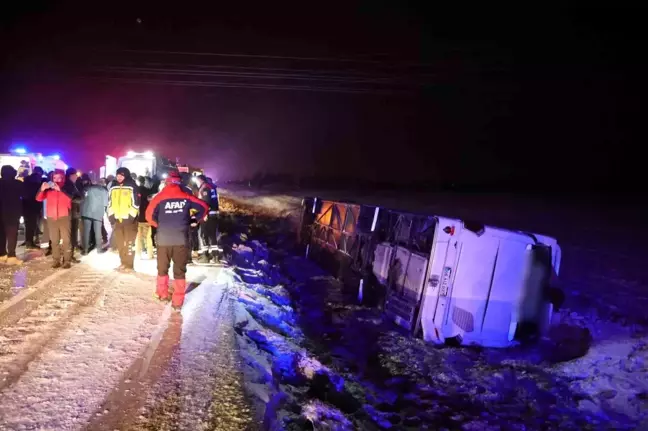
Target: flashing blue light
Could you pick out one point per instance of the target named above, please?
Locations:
(20, 151)
(56, 157)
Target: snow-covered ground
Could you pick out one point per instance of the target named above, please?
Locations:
(66, 360)
(401, 382)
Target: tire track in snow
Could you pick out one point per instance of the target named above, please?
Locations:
(35, 324)
(73, 375)
(203, 388)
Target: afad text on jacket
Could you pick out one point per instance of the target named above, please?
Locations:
(170, 211)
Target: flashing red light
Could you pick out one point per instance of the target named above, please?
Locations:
(450, 230)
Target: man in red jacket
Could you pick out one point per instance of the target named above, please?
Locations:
(57, 207)
(170, 212)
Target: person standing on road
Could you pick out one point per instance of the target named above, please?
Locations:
(123, 209)
(93, 208)
(11, 194)
(58, 208)
(209, 229)
(31, 208)
(169, 211)
(144, 235)
(152, 184)
(72, 190)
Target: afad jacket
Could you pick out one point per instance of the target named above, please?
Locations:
(123, 202)
(170, 211)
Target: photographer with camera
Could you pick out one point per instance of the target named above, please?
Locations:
(58, 209)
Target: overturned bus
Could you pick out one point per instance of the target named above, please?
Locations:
(449, 280)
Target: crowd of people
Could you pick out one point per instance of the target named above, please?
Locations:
(175, 219)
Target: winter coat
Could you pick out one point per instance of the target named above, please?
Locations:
(71, 190)
(123, 199)
(170, 210)
(144, 195)
(11, 195)
(208, 194)
(58, 204)
(32, 185)
(95, 201)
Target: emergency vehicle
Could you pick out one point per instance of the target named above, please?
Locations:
(446, 279)
(22, 160)
(148, 164)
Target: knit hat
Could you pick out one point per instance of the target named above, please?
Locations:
(174, 178)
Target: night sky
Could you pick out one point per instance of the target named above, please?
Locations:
(497, 97)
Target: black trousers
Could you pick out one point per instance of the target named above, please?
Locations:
(195, 243)
(31, 225)
(176, 254)
(8, 238)
(74, 233)
(125, 233)
(94, 225)
(154, 235)
(209, 232)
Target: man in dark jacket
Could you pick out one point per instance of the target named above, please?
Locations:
(71, 189)
(123, 209)
(11, 194)
(32, 209)
(169, 211)
(144, 235)
(209, 229)
(93, 208)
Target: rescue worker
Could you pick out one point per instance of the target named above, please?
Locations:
(209, 229)
(123, 209)
(11, 193)
(57, 208)
(169, 211)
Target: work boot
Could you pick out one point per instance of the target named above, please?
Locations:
(204, 258)
(14, 261)
(56, 265)
(162, 289)
(216, 255)
(67, 265)
(179, 288)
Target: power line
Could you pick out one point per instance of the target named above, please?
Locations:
(262, 56)
(216, 84)
(257, 75)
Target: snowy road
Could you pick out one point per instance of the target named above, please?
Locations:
(89, 348)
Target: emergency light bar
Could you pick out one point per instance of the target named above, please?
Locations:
(148, 154)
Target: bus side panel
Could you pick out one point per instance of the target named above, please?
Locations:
(471, 286)
(499, 320)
